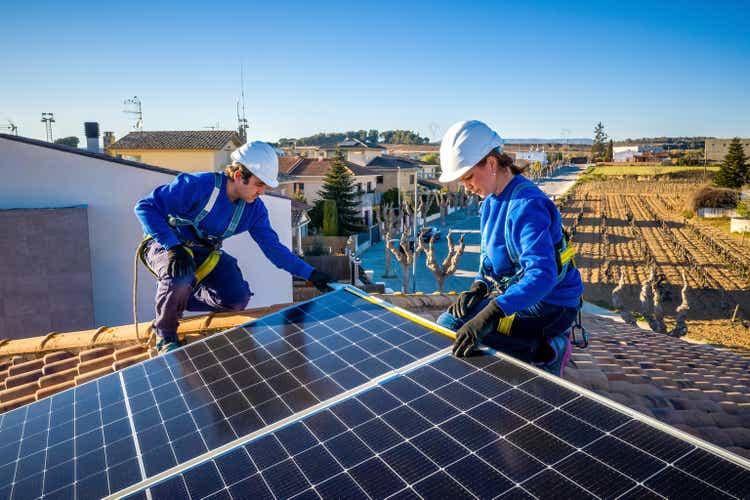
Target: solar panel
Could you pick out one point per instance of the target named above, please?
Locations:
(482, 427)
(121, 429)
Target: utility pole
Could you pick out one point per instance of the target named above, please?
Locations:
(242, 124)
(416, 220)
(48, 119)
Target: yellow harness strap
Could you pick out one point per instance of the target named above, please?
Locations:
(203, 270)
(505, 324)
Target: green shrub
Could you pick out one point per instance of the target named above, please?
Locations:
(743, 209)
(713, 197)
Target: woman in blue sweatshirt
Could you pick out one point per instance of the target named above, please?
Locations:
(527, 292)
(185, 222)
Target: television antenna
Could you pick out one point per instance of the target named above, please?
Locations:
(12, 127)
(216, 126)
(133, 107)
(435, 130)
(48, 119)
(242, 124)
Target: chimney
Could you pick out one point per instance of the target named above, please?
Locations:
(108, 140)
(92, 136)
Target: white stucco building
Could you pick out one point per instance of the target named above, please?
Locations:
(37, 174)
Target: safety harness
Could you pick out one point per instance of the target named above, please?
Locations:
(564, 257)
(203, 239)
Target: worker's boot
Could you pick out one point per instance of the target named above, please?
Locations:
(560, 345)
(165, 345)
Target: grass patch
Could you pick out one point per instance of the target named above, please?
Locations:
(717, 222)
(645, 170)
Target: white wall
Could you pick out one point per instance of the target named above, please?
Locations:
(36, 177)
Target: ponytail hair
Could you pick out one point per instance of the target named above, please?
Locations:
(503, 161)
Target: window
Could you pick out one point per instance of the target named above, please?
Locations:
(379, 179)
(299, 186)
(411, 179)
(359, 186)
(369, 186)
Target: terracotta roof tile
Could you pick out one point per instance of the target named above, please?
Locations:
(52, 389)
(177, 139)
(18, 392)
(60, 366)
(94, 374)
(58, 377)
(56, 356)
(124, 363)
(126, 352)
(95, 364)
(97, 352)
(22, 378)
(26, 366)
(15, 403)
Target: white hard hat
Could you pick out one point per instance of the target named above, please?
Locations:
(260, 159)
(463, 146)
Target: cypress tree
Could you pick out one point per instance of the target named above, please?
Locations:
(330, 218)
(338, 185)
(734, 170)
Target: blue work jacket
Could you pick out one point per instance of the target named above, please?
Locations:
(188, 194)
(534, 228)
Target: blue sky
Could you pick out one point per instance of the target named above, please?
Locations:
(530, 68)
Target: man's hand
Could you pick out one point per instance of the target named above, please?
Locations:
(474, 330)
(469, 299)
(320, 280)
(181, 262)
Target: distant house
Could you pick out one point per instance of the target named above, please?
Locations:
(395, 171)
(532, 156)
(298, 174)
(186, 151)
(716, 149)
(625, 154)
(354, 150)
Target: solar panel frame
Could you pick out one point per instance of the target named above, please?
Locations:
(531, 437)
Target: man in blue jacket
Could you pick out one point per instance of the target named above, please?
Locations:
(186, 221)
(524, 258)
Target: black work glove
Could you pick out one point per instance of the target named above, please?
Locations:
(181, 262)
(468, 300)
(320, 280)
(474, 330)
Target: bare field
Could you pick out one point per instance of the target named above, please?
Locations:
(625, 226)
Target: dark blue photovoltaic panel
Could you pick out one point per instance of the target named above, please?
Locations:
(464, 429)
(81, 441)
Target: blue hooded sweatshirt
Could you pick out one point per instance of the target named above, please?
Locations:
(534, 228)
(186, 196)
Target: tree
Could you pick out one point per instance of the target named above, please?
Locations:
(734, 170)
(598, 149)
(431, 159)
(610, 154)
(71, 142)
(372, 136)
(338, 185)
(330, 218)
